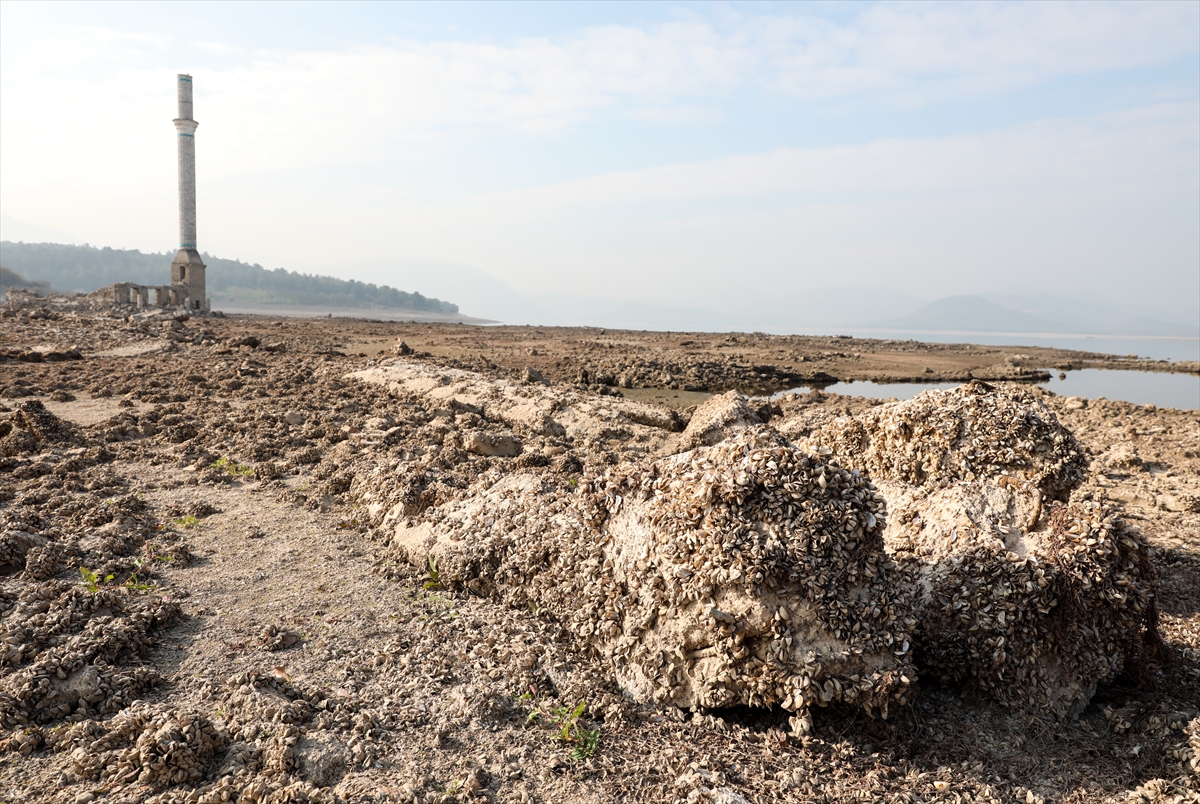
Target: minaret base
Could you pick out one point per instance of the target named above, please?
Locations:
(187, 269)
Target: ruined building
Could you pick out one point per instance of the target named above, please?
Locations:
(187, 269)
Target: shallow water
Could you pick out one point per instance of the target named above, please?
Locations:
(1140, 387)
(1151, 347)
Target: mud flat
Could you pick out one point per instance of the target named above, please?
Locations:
(332, 560)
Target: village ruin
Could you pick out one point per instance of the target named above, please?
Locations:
(187, 288)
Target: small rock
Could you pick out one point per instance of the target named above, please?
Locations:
(294, 417)
(496, 445)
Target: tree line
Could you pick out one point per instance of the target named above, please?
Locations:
(87, 268)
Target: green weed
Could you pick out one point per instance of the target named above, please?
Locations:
(565, 722)
(92, 580)
(231, 466)
(433, 580)
(134, 585)
(187, 522)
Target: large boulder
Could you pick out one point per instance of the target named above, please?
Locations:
(1027, 599)
(978, 431)
(717, 419)
(744, 573)
(1032, 604)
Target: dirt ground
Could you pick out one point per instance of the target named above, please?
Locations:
(193, 609)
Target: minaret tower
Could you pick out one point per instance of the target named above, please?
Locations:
(187, 268)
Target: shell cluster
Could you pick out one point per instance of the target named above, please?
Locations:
(978, 431)
(151, 744)
(744, 573)
(1028, 604)
(256, 751)
(753, 572)
(62, 646)
(1030, 600)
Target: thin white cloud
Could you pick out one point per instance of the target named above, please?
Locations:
(1144, 144)
(358, 103)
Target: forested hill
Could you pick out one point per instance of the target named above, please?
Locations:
(86, 268)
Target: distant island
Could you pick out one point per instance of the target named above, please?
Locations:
(231, 282)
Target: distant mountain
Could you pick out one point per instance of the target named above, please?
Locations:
(12, 279)
(1087, 314)
(1028, 313)
(819, 310)
(16, 230)
(85, 268)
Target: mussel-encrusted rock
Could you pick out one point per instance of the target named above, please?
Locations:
(978, 431)
(744, 573)
(1031, 605)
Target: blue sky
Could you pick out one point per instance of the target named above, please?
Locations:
(672, 153)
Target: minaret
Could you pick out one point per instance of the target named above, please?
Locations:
(187, 268)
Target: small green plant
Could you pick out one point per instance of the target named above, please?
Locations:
(589, 741)
(134, 585)
(565, 722)
(433, 580)
(187, 522)
(92, 580)
(231, 466)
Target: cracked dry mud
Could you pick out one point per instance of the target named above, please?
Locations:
(265, 636)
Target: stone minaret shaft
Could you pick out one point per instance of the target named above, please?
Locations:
(187, 268)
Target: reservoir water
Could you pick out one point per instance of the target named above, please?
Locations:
(1140, 387)
(1157, 348)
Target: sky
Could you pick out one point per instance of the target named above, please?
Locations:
(678, 154)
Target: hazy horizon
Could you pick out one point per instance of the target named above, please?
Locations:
(671, 155)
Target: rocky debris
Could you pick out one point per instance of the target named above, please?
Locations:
(548, 412)
(716, 420)
(1032, 604)
(500, 445)
(34, 356)
(747, 573)
(33, 428)
(977, 431)
(275, 638)
(414, 669)
(1122, 459)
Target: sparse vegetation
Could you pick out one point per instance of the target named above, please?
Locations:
(565, 722)
(92, 581)
(234, 468)
(134, 585)
(433, 579)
